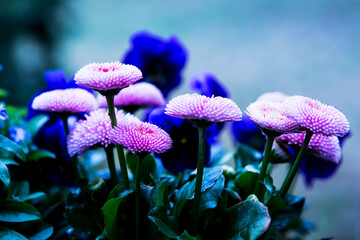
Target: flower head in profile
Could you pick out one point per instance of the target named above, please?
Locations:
(141, 137)
(185, 141)
(321, 160)
(272, 97)
(327, 147)
(136, 95)
(107, 76)
(316, 116)
(160, 60)
(269, 116)
(51, 135)
(94, 130)
(65, 100)
(199, 107)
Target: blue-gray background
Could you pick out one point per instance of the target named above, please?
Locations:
(311, 48)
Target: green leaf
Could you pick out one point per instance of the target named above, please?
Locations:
(186, 236)
(39, 154)
(4, 174)
(166, 224)
(14, 211)
(112, 215)
(43, 233)
(246, 220)
(36, 123)
(187, 191)
(244, 183)
(290, 213)
(33, 196)
(8, 145)
(8, 161)
(120, 190)
(21, 189)
(247, 155)
(148, 167)
(210, 176)
(210, 198)
(8, 234)
(83, 210)
(158, 195)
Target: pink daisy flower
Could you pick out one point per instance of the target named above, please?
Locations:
(94, 130)
(139, 94)
(269, 115)
(65, 100)
(327, 146)
(316, 116)
(272, 97)
(107, 76)
(199, 107)
(141, 137)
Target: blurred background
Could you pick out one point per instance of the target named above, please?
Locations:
(310, 48)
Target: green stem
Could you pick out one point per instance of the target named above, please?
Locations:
(265, 162)
(291, 174)
(75, 168)
(119, 149)
(110, 160)
(64, 118)
(137, 196)
(198, 183)
(65, 125)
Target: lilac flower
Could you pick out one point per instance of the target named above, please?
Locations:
(136, 95)
(51, 136)
(184, 151)
(107, 76)
(272, 97)
(206, 83)
(316, 165)
(3, 115)
(65, 100)
(93, 131)
(199, 107)
(141, 137)
(316, 116)
(269, 115)
(161, 61)
(326, 146)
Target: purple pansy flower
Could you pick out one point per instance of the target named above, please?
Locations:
(246, 132)
(160, 61)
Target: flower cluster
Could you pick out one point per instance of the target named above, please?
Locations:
(158, 194)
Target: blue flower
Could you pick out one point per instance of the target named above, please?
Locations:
(160, 61)
(246, 132)
(52, 136)
(183, 155)
(313, 166)
(3, 115)
(206, 83)
(18, 134)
